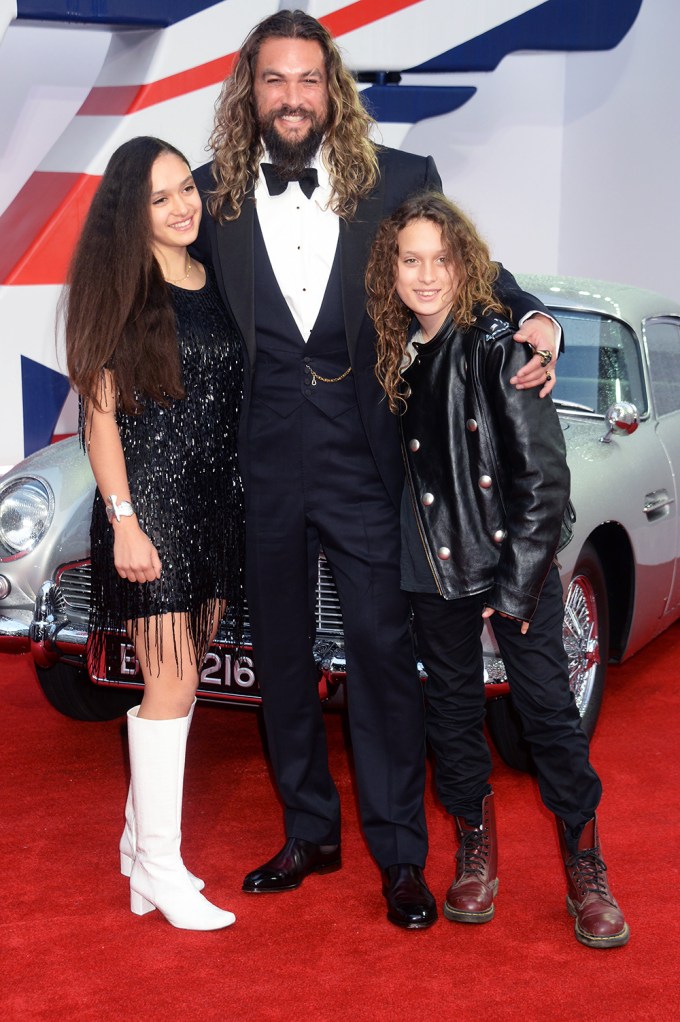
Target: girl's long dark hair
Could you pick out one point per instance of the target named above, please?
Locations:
(117, 310)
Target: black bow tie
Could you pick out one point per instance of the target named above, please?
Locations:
(276, 185)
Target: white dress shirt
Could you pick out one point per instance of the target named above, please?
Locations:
(301, 237)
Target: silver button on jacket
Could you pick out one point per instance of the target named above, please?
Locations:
(462, 481)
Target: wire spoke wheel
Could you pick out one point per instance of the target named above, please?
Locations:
(586, 635)
(581, 639)
(586, 641)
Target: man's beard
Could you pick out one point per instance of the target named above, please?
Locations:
(291, 157)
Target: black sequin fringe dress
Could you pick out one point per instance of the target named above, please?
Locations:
(186, 490)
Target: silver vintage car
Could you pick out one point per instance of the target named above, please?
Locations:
(618, 396)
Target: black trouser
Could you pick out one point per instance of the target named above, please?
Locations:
(313, 480)
(449, 643)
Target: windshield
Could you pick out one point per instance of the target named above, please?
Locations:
(599, 366)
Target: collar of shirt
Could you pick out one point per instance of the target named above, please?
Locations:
(301, 237)
(410, 351)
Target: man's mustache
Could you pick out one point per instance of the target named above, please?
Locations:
(290, 111)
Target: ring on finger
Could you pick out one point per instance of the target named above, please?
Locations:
(548, 377)
(545, 355)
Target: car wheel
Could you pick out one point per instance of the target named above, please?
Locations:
(586, 635)
(70, 691)
(586, 641)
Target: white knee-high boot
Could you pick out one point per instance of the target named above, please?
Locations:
(128, 840)
(159, 878)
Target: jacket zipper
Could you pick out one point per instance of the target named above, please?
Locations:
(414, 505)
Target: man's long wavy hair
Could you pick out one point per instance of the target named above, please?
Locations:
(117, 309)
(472, 264)
(349, 153)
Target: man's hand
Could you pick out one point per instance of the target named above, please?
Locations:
(539, 332)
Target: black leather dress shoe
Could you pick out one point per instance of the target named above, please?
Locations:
(296, 860)
(409, 900)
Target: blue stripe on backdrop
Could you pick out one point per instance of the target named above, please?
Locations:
(43, 394)
(555, 25)
(408, 104)
(156, 13)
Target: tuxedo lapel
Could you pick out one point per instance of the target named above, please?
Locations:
(356, 237)
(235, 245)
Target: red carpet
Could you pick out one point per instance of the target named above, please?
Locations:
(72, 951)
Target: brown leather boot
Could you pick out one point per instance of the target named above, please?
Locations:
(599, 921)
(469, 899)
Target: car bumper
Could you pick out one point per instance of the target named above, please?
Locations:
(14, 632)
(49, 635)
(47, 632)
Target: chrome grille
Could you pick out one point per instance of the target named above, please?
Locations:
(74, 582)
(328, 613)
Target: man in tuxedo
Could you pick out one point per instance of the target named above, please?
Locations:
(293, 197)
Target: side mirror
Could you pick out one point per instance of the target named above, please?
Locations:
(622, 419)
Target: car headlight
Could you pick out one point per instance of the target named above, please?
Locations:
(26, 512)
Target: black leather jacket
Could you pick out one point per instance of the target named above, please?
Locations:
(485, 466)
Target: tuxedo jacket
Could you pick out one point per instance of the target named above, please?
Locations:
(229, 247)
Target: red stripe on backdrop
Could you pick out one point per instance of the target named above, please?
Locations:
(110, 100)
(118, 100)
(45, 218)
(362, 13)
(44, 222)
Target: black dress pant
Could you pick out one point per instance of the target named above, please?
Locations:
(311, 481)
(449, 643)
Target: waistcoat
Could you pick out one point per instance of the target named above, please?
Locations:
(285, 364)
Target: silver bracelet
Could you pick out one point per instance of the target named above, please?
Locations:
(118, 510)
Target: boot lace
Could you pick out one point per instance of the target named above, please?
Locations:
(589, 873)
(473, 852)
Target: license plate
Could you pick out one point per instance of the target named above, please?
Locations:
(222, 675)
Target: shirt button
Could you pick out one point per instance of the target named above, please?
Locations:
(427, 499)
(485, 482)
